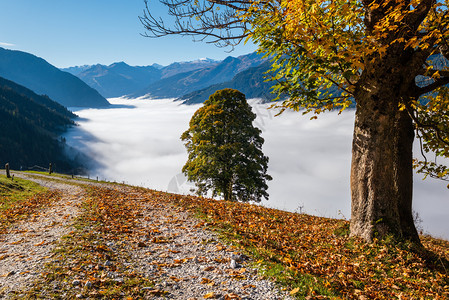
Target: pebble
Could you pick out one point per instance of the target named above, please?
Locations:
(233, 264)
(76, 282)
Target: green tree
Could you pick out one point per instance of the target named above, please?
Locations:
(389, 56)
(225, 149)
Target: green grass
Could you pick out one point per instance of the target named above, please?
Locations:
(17, 189)
(13, 192)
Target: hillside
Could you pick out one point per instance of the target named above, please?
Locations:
(117, 241)
(29, 126)
(42, 78)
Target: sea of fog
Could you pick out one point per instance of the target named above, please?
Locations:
(138, 142)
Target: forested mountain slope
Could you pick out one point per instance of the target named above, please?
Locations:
(29, 129)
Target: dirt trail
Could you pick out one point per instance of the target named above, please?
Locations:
(28, 245)
(192, 265)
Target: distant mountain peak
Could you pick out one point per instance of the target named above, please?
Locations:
(120, 63)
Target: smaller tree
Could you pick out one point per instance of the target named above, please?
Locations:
(225, 149)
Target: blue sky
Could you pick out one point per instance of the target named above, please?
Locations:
(68, 33)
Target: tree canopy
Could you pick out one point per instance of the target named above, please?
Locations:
(322, 49)
(225, 149)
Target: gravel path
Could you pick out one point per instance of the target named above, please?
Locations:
(28, 244)
(188, 262)
(183, 258)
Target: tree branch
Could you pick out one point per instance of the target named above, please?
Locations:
(216, 20)
(415, 18)
(431, 87)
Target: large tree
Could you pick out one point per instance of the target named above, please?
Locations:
(225, 149)
(389, 56)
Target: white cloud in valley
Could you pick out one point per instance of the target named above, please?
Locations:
(138, 142)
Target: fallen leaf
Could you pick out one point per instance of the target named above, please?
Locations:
(294, 291)
(208, 282)
(232, 296)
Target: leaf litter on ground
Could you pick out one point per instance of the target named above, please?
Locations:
(312, 257)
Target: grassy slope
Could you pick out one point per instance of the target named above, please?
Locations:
(19, 199)
(310, 256)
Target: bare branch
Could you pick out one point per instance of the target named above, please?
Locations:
(212, 21)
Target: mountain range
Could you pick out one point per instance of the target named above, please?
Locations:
(42, 78)
(191, 82)
(119, 79)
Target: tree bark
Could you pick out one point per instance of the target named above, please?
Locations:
(381, 170)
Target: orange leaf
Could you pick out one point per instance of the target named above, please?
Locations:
(40, 244)
(209, 295)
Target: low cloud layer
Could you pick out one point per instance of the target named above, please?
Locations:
(138, 142)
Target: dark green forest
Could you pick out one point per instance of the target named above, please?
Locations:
(29, 128)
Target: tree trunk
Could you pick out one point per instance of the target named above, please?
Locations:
(381, 170)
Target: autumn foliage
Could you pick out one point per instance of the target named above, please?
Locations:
(346, 268)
